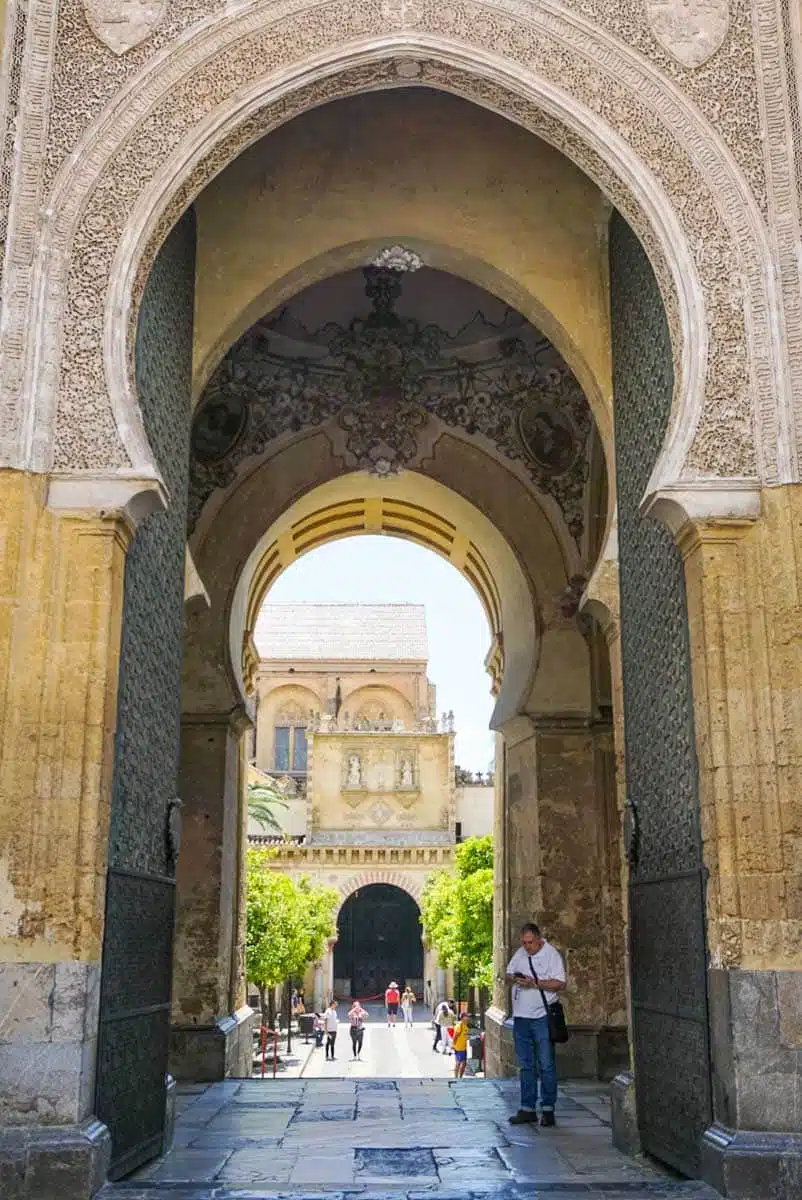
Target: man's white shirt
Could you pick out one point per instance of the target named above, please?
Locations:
(548, 964)
(331, 1020)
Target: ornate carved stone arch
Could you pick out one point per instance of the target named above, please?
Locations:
(233, 77)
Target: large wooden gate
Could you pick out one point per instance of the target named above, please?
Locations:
(379, 939)
(668, 953)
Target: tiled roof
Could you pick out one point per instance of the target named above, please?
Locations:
(353, 632)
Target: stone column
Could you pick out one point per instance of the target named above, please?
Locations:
(554, 830)
(319, 999)
(212, 1029)
(61, 589)
(328, 970)
(743, 582)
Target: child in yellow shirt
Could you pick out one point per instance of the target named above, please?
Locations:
(460, 1044)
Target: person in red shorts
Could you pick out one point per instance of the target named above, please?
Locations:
(391, 999)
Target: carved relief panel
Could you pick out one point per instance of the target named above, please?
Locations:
(690, 30)
(123, 24)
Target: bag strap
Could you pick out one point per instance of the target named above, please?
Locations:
(539, 988)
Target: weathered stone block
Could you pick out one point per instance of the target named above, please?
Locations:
(57, 1163)
(756, 1025)
(746, 1165)
(205, 1053)
(626, 1136)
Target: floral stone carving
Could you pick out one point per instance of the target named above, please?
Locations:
(123, 24)
(380, 379)
(691, 30)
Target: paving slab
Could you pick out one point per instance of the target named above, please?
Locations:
(324, 1169)
(257, 1166)
(401, 1135)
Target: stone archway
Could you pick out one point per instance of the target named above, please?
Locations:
(378, 940)
(458, 53)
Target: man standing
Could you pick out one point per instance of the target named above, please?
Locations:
(391, 998)
(535, 967)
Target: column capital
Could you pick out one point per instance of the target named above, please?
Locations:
(129, 498)
(713, 502)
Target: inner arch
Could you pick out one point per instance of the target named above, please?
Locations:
(420, 510)
(378, 942)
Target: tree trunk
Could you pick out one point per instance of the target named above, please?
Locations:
(264, 994)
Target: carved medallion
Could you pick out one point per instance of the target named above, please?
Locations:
(690, 30)
(123, 24)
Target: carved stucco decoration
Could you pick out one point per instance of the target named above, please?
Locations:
(123, 24)
(120, 157)
(691, 30)
(625, 19)
(381, 379)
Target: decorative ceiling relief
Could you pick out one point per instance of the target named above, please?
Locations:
(384, 378)
(123, 24)
(691, 30)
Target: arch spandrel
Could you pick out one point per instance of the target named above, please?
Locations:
(598, 101)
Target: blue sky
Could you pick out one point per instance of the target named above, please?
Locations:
(385, 570)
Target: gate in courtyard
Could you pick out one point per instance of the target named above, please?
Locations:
(668, 951)
(379, 939)
(140, 894)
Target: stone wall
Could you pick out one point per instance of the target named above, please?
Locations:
(357, 782)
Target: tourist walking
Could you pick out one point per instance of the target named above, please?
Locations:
(318, 1028)
(460, 1044)
(357, 1015)
(391, 999)
(444, 1017)
(407, 1004)
(537, 973)
(330, 1023)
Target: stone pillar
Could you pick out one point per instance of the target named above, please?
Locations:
(743, 582)
(556, 811)
(328, 970)
(61, 589)
(211, 1037)
(319, 998)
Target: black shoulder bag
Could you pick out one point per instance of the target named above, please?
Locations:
(558, 1029)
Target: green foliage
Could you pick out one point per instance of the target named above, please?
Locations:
(287, 923)
(263, 799)
(474, 854)
(457, 912)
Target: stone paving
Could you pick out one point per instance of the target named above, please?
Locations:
(389, 1139)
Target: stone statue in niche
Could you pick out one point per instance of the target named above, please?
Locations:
(407, 774)
(354, 777)
(123, 24)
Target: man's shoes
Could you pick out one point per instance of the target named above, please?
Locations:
(524, 1116)
(547, 1119)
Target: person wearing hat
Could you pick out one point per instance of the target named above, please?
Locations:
(391, 999)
